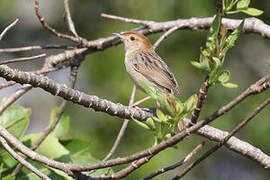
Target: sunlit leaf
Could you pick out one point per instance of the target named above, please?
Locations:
(161, 115)
(179, 106)
(150, 90)
(46, 146)
(224, 76)
(228, 4)
(212, 36)
(9, 177)
(8, 160)
(15, 119)
(252, 11)
(242, 4)
(150, 123)
(80, 154)
(195, 64)
(143, 125)
(230, 85)
(215, 66)
(205, 65)
(191, 102)
(233, 36)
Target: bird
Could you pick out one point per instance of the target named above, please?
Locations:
(143, 64)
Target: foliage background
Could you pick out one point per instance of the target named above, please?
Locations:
(103, 74)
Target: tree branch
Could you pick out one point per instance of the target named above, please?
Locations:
(220, 144)
(202, 96)
(257, 87)
(8, 28)
(176, 165)
(75, 96)
(23, 59)
(236, 145)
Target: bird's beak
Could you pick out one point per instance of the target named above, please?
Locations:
(118, 35)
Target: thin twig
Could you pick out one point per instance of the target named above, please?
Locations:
(176, 165)
(127, 20)
(123, 128)
(31, 48)
(30, 58)
(202, 96)
(21, 160)
(14, 97)
(78, 40)
(220, 144)
(70, 23)
(8, 28)
(164, 36)
(134, 165)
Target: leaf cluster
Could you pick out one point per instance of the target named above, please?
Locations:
(170, 110)
(236, 6)
(212, 58)
(16, 120)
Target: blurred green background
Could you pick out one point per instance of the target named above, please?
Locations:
(103, 74)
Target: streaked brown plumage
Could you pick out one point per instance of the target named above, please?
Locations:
(144, 64)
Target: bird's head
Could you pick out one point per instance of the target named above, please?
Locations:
(134, 41)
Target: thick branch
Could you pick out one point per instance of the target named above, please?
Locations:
(75, 96)
(236, 145)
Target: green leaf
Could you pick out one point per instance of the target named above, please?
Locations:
(214, 70)
(8, 160)
(15, 119)
(252, 11)
(205, 65)
(161, 115)
(217, 62)
(212, 36)
(62, 127)
(80, 154)
(9, 177)
(150, 90)
(191, 103)
(229, 85)
(75, 146)
(179, 106)
(46, 146)
(143, 125)
(150, 123)
(195, 64)
(228, 5)
(242, 4)
(233, 36)
(163, 102)
(156, 119)
(224, 76)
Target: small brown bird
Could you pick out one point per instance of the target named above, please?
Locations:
(144, 64)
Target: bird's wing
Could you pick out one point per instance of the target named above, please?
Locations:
(154, 69)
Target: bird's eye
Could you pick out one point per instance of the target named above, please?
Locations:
(132, 38)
